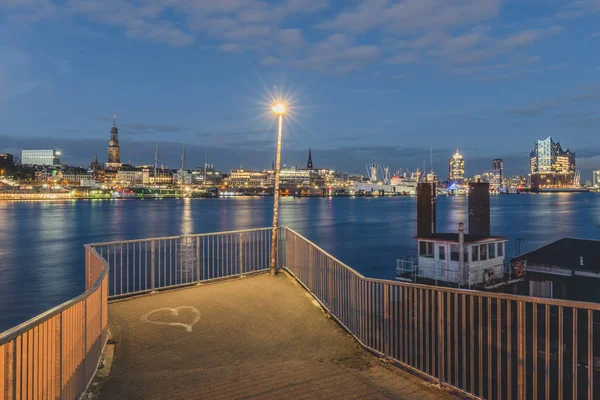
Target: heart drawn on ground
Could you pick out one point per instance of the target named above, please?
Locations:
(165, 316)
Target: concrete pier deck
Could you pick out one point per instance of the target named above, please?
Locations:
(257, 337)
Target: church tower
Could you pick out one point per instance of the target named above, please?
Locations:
(309, 164)
(114, 150)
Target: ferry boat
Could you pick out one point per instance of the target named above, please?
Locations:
(455, 259)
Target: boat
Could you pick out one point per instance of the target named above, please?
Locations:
(399, 184)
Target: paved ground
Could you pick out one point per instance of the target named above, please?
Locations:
(249, 338)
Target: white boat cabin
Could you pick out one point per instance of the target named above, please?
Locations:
(439, 259)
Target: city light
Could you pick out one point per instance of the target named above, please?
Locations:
(278, 109)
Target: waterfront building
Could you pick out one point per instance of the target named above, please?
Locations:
(62, 174)
(294, 176)
(246, 178)
(159, 176)
(596, 179)
(456, 167)
(40, 157)
(114, 149)
(185, 175)
(130, 175)
(212, 176)
(551, 167)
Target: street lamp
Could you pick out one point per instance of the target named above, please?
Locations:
(279, 110)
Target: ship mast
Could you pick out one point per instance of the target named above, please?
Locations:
(182, 165)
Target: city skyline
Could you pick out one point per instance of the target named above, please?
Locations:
(488, 77)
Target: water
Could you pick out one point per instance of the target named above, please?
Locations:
(41, 243)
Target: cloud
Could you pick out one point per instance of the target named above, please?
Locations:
(30, 10)
(585, 95)
(338, 54)
(304, 33)
(233, 48)
(411, 15)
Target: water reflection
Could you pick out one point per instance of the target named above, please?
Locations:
(41, 244)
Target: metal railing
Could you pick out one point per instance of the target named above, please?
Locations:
(487, 345)
(55, 354)
(139, 266)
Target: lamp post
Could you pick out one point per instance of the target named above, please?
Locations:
(279, 110)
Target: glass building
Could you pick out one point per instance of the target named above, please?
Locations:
(456, 167)
(40, 157)
(596, 179)
(551, 167)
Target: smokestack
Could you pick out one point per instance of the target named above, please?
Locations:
(426, 221)
(479, 209)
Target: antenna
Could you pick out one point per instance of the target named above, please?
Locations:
(431, 158)
(182, 165)
(204, 180)
(155, 162)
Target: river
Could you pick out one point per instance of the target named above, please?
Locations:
(41, 243)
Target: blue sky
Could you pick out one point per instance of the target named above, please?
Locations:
(368, 80)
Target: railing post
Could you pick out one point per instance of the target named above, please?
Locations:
(197, 258)
(440, 333)
(241, 254)
(152, 264)
(520, 350)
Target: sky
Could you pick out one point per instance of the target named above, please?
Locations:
(365, 80)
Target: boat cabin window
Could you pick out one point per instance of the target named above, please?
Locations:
(475, 256)
(426, 249)
(501, 249)
(492, 250)
(483, 252)
(454, 252)
(442, 252)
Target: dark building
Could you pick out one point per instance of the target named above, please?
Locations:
(114, 149)
(7, 162)
(309, 164)
(95, 165)
(565, 269)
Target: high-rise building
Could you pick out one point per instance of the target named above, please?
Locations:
(40, 157)
(596, 179)
(497, 173)
(309, 164)
(551, 167)
(456, 167)
(498, 165)
(114, 149)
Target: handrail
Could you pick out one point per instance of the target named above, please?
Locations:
(15, 331)
(494, 295)
(178, 237)
(56, 353)
(482, 344)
